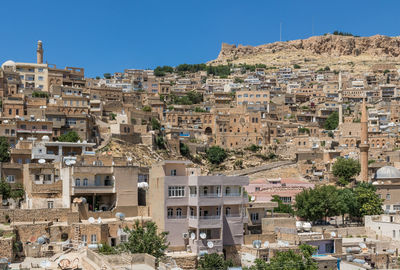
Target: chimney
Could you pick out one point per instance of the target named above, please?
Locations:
(39, 52)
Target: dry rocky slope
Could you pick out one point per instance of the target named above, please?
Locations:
(316, 51)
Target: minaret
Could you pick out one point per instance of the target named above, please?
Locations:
(364, 145)
(340, 100)
(39, 52)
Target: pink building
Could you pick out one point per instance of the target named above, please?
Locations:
(286, 188)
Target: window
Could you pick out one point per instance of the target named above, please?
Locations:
(85, 182)
(258, 188)
(177, 191)
(396, 207)
(228, 211)
(50, 204)
(84, 239)
(254, 217)
(10, 178)
(40, 78)
(227, 191)
(191, 211)
(179, 212)
(170, 212)
(40, 70)
(143, 178)
(394, 234)
(388, 196)
(218, 211)
(286, 199)
(173, 172)
(124, 238)
(93, 238)
(77, 182)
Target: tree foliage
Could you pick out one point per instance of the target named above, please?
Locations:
(332, 121)
(184, 149)
(289, 260)
(327, 201)
(145, 239)
(146, 108)
(192, 68)
(213, 261)
(155, 124)
(282, 207)
(190, 98)
(345, 170)
(4, 150)
(216, 154)
(40, 94)
(70, 136)
(161, 71)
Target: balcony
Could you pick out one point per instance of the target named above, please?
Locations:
(205, 222)
(210, 195)
(201, 245)
(93, 189)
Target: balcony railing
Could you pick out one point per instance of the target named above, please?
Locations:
(177, 217)
(210, 217)
(210, 195)
(232, 194)
(233, 215)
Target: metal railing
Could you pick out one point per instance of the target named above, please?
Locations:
(210, 195)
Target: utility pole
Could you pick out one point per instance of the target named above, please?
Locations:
(280, 32)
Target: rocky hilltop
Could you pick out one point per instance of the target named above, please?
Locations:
(328, 47)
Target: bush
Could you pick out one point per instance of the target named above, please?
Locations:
(155, 124)
(146, 108)
(296, 66)
(4, 150)
(106, 249)
(216, 155)
(253, 148)
(70, 136)
(40, 94)
(332, 121)
(184, 149)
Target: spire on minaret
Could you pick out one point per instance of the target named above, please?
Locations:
(340, 99)
(364, 145)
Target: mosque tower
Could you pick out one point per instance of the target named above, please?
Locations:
(340, 100)
(39, 52)
(364, 145)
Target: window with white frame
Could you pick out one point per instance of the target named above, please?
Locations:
(50, 204)
(84, 239)
(170, 212)
(77, 182)
(176, 191)
(286, 199)
(179, 212)
(10, 178)
(173, 172)
(93, 238)
(124, 238)
(396, 207)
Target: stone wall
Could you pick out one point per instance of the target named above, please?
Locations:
(30, 232)
(6, 248)
(186, 262)
(28, 215)
(249, 238)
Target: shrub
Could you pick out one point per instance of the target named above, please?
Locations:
(216, 154)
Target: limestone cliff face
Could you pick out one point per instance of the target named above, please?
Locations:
(332, 45)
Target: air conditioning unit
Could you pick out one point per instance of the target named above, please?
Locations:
(185, 235)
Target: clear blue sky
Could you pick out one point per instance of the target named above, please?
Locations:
(109, 36)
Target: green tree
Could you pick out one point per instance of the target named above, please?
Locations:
(155, 124)
(106, 249)
(107, 75)
(296, 66)
(289, 260)
(213, 261)
(145, 239)
(282, 207)
(367, 201)
(4, 150)
(216, 154)
(5, 189)
(347, 202)
(332, 121)
(184, 149)
(70, 136)
(160, 142)
(318, 203)
(345, 170)
(146, 108)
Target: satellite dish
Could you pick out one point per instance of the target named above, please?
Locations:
(120, 216)
(21, 139)
(333, 234)
(192, 236)
(362, 245)
(129, 159)
(210, 244)
(41, 161)
(256, 243)
(41, 240)
(91, 220)
(253, 198)
(67, 162)
(266, 244)
(99, 220)
(203, 236)
(72, 162)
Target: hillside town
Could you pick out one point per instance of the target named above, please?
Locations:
(242, 164)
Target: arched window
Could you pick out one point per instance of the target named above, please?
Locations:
(179, 212)
(228, 211)
(170, 212)
(77, 182)
(85, 182)
(205, 191)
